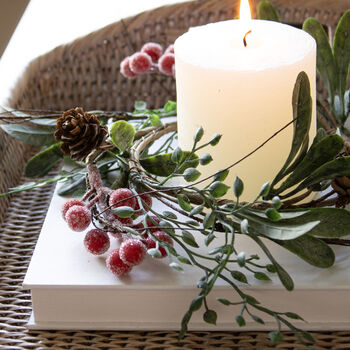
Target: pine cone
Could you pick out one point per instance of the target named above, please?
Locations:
(80, 133)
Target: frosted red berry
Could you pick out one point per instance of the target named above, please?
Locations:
(132, 251)
(96, 241)
(151, 224)
(170, 49)
(78, 218)
(162, 236)
(69, 203)
(116, 265)
(125, 68)
(140, 228)
(154, 50)
(121, 194)
(140, 63)
(166, 63)
(147, 199)
(125, 221)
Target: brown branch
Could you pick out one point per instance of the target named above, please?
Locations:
(336, 241)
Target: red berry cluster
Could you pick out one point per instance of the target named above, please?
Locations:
(132, 251)
(150, 59)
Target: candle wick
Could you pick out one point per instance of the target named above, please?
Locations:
(245, 38)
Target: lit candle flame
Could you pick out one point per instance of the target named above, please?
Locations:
(244, 11)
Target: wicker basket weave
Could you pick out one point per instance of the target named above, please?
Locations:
(86, 73)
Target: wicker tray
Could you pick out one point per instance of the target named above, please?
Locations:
(86, 73)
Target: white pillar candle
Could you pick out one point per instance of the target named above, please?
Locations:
(244, 93)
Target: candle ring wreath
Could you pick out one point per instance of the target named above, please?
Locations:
(121, 174)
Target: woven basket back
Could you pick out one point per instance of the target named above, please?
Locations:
(86, 72)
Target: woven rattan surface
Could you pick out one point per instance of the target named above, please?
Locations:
(86, 73)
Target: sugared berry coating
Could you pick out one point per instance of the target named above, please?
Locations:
(151, 224)
(170, 49)
(125, 68)
(140, 63)
(96, 241)
(125, 221)
(119, 195)
(116, 265)
(154, 50)
(166, 63)
(69, 203)
(162, 236)
(146, 198)
(132, 251)
(78, 218)
(140, 228)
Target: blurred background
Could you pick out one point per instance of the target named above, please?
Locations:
(10, 13)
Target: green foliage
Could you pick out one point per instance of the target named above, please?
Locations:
(122, 135)
(33, 135)
(41, 163)
(311, 249)
(162, 164)
(267, 12)
(333, 65)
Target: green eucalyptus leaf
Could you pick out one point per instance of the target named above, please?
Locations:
(282, 229)
(196, 303)
(341, 50)
(162, 165)
(334, 222)
(123, 211)
(154, 253)
(257, 319)
(209, 239)
(241, 259)
(210, 317)
(240, 320)
(215, 139)
(196, 210)
(218, 189)
(155, 120)
(223, 301)
(33, 135)
(198, 135)
(311, 249)
(276, 336)
(177, 155)
(328, 171)
(205, 159)
(283, 275)
(209, 220)
(221, 175)
(319, 154)
(41, 163)
(188, 238)
(184, 202)
(238, 187)
(239, 276)
(191, 174)
(244, 226)
(184, 260)
(170, 106)
(267, 12)
(140, 105)
(326, 64)
(261, 276)
(276, 202)
(293, 316)
(273, 214)
(176, 266)
(302, 108)
(122, 134)
(70, 186)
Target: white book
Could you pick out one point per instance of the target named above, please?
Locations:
(72, 289)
